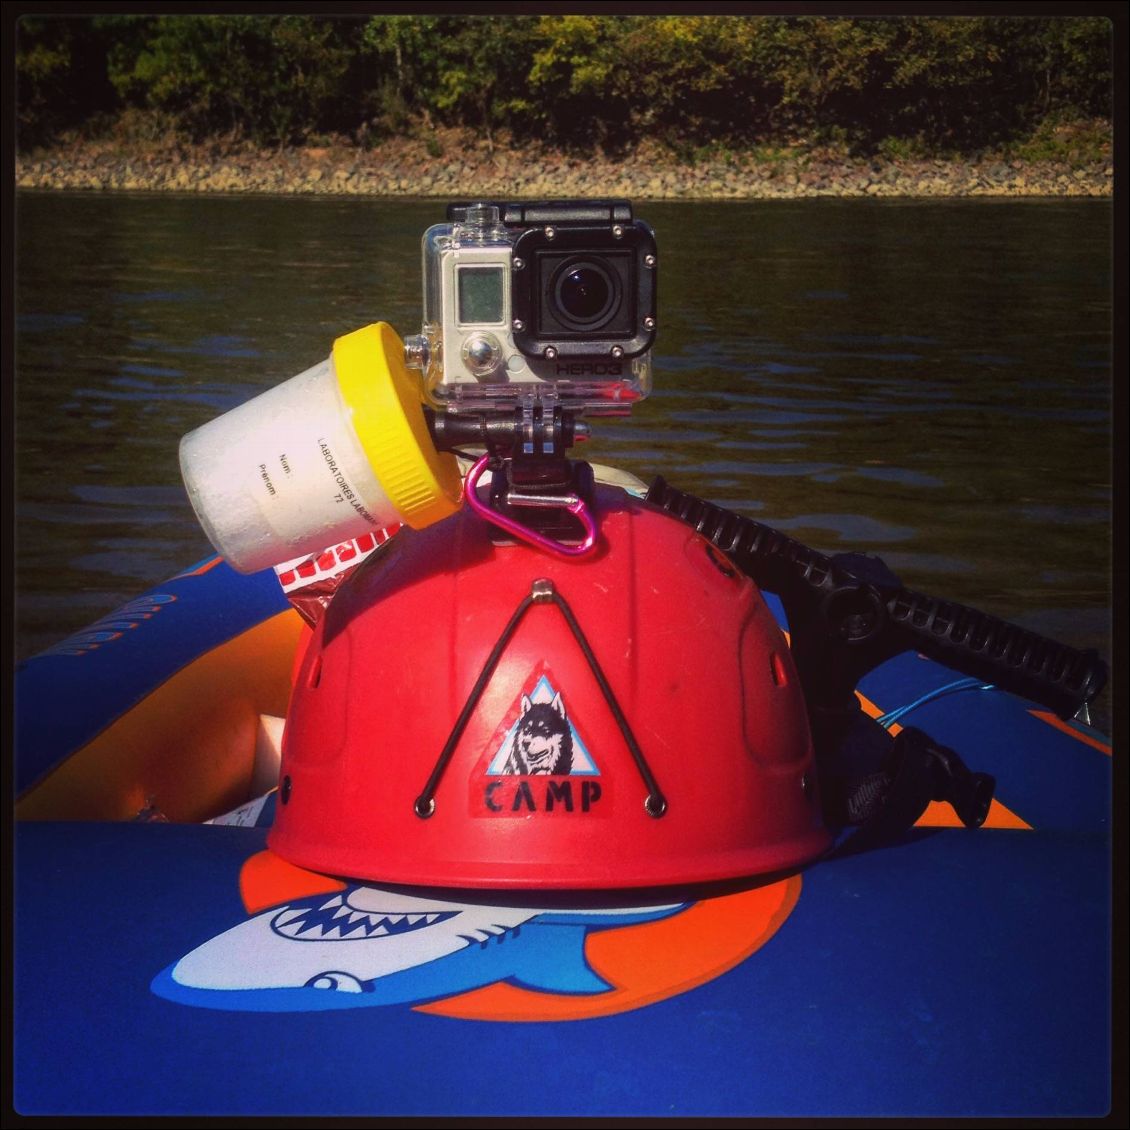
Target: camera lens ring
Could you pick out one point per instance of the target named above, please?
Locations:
(584, 293)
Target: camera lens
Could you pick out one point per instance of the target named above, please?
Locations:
(585, 293)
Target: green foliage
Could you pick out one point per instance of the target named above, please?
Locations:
(574, 79)
(461, 70)
(274, 79)
(903, 84)
(404, 60)
(1066, 142)
(60, 76)
(43, 64)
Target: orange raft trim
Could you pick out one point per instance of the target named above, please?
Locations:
(188, 748)
(1067, 728)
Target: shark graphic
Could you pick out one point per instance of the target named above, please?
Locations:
(365, 946)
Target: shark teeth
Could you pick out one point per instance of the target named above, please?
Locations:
(335, 920)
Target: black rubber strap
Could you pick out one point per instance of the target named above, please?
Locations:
(916, 770)
(972, 642)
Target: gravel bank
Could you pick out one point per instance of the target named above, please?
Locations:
(462, 166)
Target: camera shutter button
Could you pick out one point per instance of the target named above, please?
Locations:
(482, 354)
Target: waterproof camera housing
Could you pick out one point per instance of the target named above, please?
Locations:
(550, 303)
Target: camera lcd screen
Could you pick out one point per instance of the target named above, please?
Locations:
(480, 295)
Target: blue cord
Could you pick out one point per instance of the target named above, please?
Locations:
(893, 716)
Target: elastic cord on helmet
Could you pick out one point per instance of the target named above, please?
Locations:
(541, 592)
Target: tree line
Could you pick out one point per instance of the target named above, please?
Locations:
(943, 84)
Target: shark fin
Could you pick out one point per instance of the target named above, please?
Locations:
(559, 965)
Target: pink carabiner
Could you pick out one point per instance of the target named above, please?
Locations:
(574, 505)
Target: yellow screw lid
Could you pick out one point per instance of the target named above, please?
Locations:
(388, 416)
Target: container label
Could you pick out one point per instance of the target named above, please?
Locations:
(345, 491)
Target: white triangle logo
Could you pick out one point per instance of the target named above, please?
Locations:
(538, 735)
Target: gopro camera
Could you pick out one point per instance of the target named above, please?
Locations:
(549, 303)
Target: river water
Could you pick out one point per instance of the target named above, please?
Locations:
(925, 380)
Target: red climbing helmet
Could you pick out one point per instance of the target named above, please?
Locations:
(475, 715)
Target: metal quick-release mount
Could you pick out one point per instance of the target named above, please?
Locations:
(537, 495)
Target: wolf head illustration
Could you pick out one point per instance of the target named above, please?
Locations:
(544, 743)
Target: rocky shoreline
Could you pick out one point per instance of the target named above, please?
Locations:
(462, 165)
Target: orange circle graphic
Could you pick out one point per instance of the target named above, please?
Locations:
(644, 963)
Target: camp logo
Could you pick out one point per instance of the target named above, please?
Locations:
(537, 761)
(315, 943)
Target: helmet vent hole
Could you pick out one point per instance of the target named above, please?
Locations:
(777, 670)
(315, 676)
(720, 563)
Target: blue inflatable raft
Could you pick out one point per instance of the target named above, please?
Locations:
(950, 973)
